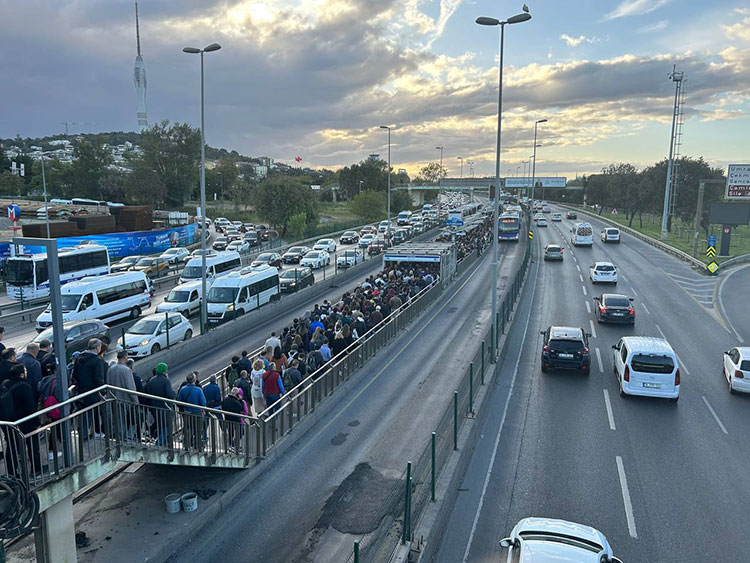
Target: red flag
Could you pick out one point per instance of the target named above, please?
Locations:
(298, 159)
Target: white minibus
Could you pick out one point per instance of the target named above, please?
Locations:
(217, 265)
(582, 234)
(240, 292)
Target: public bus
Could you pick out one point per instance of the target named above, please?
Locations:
(28, 273)
(508, 227)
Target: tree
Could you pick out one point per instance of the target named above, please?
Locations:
(172, 153)
(373, 173)
(369, 205)
(432, 173)
(91, 161)
(400, 201)
(277, 198)
(145, 186)
(296, 225)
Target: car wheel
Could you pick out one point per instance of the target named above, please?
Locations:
(677, 398)
(155, 349)
(188, 334)
(135, 312)
(622, 393)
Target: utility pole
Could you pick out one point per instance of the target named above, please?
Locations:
(677, 78)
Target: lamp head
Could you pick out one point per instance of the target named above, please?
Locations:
(542, 120)
(192, 50)
(212, 47)
(519, 18)
(384, 127)
(487, 21)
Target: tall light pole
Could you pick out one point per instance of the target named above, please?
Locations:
(44, 189)
(518, 18)
(441, 170)
(533, 169)
(527, 187)
(471, 168)
(388, 231)
(461, 159)
(194, 50)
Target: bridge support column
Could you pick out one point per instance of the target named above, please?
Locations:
(55, 538)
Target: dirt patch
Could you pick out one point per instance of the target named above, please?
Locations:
(339, 438)
(359, 502)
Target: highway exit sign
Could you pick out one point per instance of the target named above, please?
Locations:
(738, 181)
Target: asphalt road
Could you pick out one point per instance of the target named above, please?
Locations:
(330, 488)
(663, 481)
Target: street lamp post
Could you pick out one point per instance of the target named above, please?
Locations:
(441, 171)
(388, 230)
(533, 169)
(194, 50)
(461, 159)
(518, 18)
(360, 185)
(44, 189)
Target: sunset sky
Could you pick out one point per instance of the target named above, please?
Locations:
(315, 78)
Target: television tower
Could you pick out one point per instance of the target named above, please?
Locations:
(139, 77)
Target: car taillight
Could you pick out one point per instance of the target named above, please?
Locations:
(739, 375)
(585, 351)
(677, 377)
(626, 374)
(546, 348)
(603, 309)
(631, 310)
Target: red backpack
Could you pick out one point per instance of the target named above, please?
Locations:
(50, 400)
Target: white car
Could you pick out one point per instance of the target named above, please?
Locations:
(366, 240)
(556, 217)
(240, 246)
(646, 366)
(605, 272)
(209, 252)
(383, 226)
(175, 255)
(737, 369)
(327, 244)
(149, 335)
(542, 222)
(184, 299)
(316, 259)
(542, 540)
(538, 216)
(350, 258)
(610, 234)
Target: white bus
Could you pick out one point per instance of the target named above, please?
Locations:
(582, 234)
(241, 292)
(28, 272)
(217, 265)
(110, 297)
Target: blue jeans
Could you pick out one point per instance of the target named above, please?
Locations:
(271, 400)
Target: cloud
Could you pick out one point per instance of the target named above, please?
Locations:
(635, 8)
(575, 41)
(741, 29)
(658, 26)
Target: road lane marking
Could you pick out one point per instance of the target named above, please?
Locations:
(634, 292)
(583, 287)
(608, 404)
(578, 268)
(716, 417)
(645, 308)
(626, 498)
(593, 329)
(683, 367)
(624, 278)
(499, 432)
(599, 360)
(588, 307)
(574, 257)
(580, 276)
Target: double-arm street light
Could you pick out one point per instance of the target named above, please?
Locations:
(518, 18)
(195, 51)
(388, 231)
(533, 169)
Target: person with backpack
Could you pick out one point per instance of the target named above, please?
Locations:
(46, 357)
(244, 384)
(245, 363)
(17, 401)
(231, 423)
(7, 361)
(192, 417)
(232, 372)
(273, 387)
(50, 394)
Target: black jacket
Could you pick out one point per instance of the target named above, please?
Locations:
(232, 404)
(24, 401)
(5, 366)
(246, 385)
(160, 386)
(89, 373)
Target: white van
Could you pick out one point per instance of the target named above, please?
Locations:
(582, 234)
(109, 297)
(404, 217)
(646, 366)
(240, 292)
(217, 265)
(185, 298)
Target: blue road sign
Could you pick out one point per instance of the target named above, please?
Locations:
(711, 241)
(454, 223)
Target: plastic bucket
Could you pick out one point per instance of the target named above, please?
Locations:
(172, 501)
(189, 502)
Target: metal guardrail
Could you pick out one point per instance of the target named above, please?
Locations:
(695, 263)
(735, 261)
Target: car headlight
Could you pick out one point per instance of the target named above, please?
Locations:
(231, 307)
(145, 342)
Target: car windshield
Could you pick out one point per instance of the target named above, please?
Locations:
(605, 268)
(561, 345)
(144, 326)
(192, 272)
(616, 302)
(291, 274)
(348, 234)
(296, 250)
(178, 296)
(264, 257)
(70, 301)
(222, 294)
(221, 239)
(652, 364)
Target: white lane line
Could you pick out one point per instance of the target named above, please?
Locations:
(624, 278)
(578, 267)
(593, 329)
(574, 258)
(588, 307)
(634, 292)
(580, 276)
(610, 416)
(683, 367)
(599, 361)
(499, 433)
(716, 417)
(645, 308)
(583, 287)
(626, 498)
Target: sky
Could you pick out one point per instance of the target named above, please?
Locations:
(316, 78)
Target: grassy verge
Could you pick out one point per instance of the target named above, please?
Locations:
(682, 234)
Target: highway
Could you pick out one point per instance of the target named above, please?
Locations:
(331, 487)
(663, 481)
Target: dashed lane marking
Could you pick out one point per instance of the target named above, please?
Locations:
(713, 413)
(599, 360)
(593, 329)
(626, 498)
(683, 367)
(645, 308)
(583, 287)
(608, 405)
(580, 276)
(588, 307)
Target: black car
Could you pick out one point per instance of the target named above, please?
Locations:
(566, 347)
(571, 215)
(349, 237)
(77, 335)
(127, 263)
(263, 232)
(270, 258)
(614, 308)
(220, 243)
(294, 254)
(376, 247)
(295, 279)
(251, 237)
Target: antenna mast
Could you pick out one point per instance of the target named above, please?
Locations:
(674, 146)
